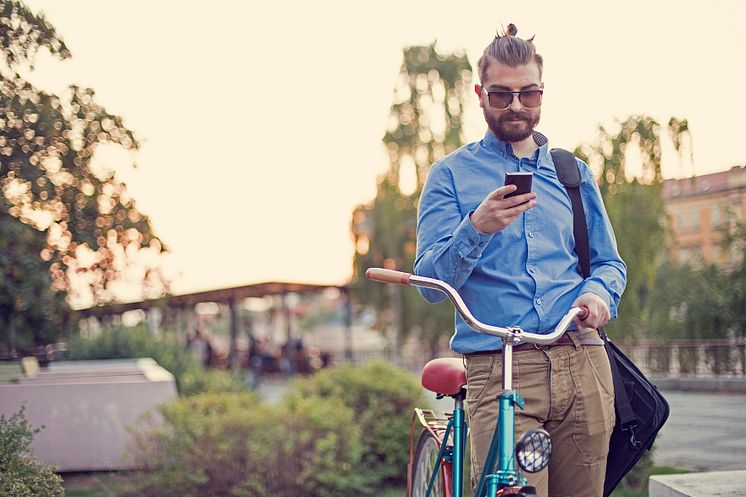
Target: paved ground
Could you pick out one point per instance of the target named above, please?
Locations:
(706, 431)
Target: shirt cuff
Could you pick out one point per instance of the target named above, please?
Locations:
(597, 289)
(467, 236)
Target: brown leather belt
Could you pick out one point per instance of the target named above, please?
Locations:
(563, 340)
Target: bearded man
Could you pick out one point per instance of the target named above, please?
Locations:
(513, 260)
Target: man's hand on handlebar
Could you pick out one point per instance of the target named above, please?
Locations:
(496, 212)
(596, 312)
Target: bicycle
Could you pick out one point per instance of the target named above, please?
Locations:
(436, 466)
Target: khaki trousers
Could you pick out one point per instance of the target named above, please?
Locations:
(568, 390)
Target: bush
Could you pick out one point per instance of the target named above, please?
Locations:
(20, 474)
(120, 342)
(229, 444)
(198, 380)
(382, 398)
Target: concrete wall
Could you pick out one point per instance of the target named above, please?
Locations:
(86, 408)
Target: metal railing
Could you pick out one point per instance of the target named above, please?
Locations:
(725, 358)
(661, 358)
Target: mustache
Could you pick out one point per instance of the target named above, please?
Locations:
(510, 115)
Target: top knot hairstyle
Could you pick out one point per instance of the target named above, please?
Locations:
(509, 50)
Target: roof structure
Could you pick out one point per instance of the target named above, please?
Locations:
(705, 184)
(221, 295)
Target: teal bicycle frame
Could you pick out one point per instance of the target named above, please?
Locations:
(499, 466)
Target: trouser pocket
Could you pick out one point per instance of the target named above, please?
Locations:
(594, 403)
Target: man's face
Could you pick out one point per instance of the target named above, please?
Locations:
(516, 123)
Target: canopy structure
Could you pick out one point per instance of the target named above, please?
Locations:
(221, 295)
(232, 297)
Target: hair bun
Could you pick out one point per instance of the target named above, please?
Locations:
(512, 30)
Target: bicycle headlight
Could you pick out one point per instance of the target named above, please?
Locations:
(533, 450)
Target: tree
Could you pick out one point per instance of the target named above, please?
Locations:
(427, 123)
(95, 234)
(29, 309)
(735, 285)
(707, 301)
(636, 209)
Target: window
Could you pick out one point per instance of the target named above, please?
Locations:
(716, 217)
(687, 221)
(691, 256)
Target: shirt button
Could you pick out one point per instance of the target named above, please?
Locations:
(531, 270)
(531, 234)
(538, 301)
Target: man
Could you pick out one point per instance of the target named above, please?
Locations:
(513, 261)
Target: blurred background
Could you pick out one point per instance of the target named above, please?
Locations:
(211, 180)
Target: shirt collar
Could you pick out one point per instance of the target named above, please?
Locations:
(491, 142)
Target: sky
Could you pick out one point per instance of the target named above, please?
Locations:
(261, 122)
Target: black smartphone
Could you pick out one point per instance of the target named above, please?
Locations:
(521, 180)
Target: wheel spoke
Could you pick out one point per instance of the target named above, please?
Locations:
(426, 457)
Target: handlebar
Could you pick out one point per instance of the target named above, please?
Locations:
(514, 334)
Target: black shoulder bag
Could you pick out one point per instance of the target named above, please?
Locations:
(640, 408)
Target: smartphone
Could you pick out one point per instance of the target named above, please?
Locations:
(521, 180)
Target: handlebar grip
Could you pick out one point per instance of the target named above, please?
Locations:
(387, 276)
(583, 313)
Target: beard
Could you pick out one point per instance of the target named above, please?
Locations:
(507, 129)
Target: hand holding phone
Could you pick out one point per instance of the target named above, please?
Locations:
(521, 180)
(493, 214)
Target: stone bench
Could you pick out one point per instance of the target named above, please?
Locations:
(86, 408)
(711, 484)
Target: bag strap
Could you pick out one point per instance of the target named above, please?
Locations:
(626, 416)
(568, 174)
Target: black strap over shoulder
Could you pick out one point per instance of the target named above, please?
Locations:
(567, 167)
(568, 173)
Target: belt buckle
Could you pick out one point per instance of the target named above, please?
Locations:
(541, 347)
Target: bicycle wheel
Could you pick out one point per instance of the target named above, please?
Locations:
(425, 459)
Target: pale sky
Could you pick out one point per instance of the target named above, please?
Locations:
(261, 123)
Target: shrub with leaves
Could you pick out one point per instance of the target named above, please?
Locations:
(229, 444)
(382, 398)
(120, 342)
(21, 475)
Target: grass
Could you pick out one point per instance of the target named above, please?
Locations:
(105, 485)
(90, 484)
(622, 492)
(392, 492)
(654, 470)
(668, 470)
(79, 492)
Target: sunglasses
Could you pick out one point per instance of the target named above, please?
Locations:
(501, 99)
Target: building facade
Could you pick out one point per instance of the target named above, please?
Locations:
(700, 210)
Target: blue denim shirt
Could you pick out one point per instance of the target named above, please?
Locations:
(526, 275)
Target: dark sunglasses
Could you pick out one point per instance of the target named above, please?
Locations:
(501, 99)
